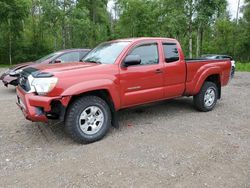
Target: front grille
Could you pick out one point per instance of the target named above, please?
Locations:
(24, 83)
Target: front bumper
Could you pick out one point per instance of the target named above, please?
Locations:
(7, 79)
(34, 107)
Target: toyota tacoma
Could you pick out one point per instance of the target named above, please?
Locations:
(115, 75)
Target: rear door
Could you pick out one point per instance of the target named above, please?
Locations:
(174, 69)
(142, 83)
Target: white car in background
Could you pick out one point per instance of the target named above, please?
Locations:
(214, 56)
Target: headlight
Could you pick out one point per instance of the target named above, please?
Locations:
(44, 85)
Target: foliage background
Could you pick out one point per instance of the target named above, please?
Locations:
(30, 29)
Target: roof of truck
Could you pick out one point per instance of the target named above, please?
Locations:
(143, 38)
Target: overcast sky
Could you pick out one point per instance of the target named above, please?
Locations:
(232, 6)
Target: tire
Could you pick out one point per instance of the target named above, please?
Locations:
(210, 91)
(88, 119)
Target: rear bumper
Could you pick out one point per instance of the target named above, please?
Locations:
(34, 107)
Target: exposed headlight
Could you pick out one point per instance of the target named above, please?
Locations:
(44, 85)
(14, 73)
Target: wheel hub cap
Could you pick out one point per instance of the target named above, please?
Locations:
(209, 97)
(91, 120)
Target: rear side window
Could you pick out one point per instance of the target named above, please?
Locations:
(148, 53)
(171, 52)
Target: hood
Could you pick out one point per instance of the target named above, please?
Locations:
(60, 67)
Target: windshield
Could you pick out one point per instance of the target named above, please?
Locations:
(105, 53)
(47, 57)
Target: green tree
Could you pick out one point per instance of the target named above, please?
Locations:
(242, 49)
(99, 28)
(30, 29)
(207, 12)
(12, 14)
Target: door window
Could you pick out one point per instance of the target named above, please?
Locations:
(171, 52)
(148, 54)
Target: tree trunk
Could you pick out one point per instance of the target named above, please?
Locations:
(190, 29)
(63, 36)
(198, 42)
(72, 36)
(201, 42)
(63, 27)
(190, 41)
(10, 43)
(55, 42)
(93, 11)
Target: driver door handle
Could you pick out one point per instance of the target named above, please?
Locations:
(158, 71)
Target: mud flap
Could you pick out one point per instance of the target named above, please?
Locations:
(114, 121)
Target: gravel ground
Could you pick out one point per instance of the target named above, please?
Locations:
(166, 144)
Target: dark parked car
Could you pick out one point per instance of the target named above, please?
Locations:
(216, 56)
(70, 55)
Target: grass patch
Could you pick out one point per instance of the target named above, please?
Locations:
(4, 66)
(243, 67)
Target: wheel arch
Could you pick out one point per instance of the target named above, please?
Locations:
(103, 94)
(215, 78)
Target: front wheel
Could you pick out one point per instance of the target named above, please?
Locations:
(88, 119)
(206, 99)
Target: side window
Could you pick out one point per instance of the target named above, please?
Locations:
(171, 52)
(69, 57)
(148, 53)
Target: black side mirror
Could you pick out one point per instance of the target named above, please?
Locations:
(58, 61)
(132, 60)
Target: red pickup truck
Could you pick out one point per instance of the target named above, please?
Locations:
(115, 75)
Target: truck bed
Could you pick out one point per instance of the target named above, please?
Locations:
(196, 68)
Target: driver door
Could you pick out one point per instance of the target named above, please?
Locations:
(144, 82)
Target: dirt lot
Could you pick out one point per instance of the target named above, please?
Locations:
(167, 144)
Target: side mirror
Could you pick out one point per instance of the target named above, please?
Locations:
(132, 60)
(58, 61)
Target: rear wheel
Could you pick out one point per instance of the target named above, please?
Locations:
(88, 119)
(206, 99)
